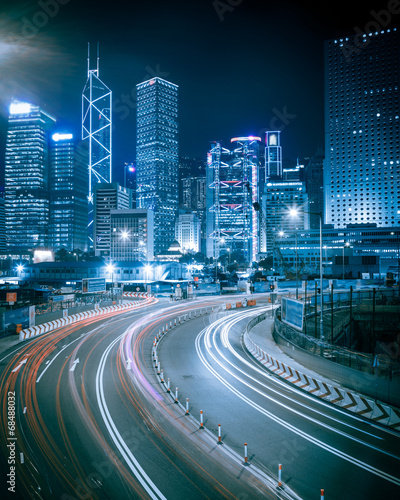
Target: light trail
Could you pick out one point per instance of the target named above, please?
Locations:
(212, 331)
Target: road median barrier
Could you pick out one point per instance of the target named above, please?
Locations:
(34, 331)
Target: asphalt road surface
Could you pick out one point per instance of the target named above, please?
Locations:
(85, 416)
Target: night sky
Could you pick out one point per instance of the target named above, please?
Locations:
(241, 65)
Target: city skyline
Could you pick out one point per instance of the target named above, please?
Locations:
(242, 67)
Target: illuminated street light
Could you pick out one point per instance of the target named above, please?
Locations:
(293, 212)
(346, 244)
(110, 269)
(147, 269)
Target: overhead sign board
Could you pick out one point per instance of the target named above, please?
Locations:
(93, 285)
(292, 312)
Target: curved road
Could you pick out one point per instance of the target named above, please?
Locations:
(319, 445)
(92, 419)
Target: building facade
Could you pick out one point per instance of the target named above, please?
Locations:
(188, 232)
(278, 198)
(232, 189)
(273, 155)
(314, 178)
(157, 160)
(132, 237)
(26, 196)
(107, 197)
(68, 195)
(362, 128)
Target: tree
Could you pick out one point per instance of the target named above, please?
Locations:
(62, 255)
(266, 263)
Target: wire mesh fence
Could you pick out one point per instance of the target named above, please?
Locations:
(366, 318)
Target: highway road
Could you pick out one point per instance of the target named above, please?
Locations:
(84, 415)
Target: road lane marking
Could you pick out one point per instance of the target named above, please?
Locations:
(19, 366)
(74, 365)
(131, 461)
(282, 422)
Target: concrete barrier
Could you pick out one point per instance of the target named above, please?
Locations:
(34, 331)
(358, 404)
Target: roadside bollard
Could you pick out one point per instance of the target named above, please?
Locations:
(219, 434)
(201, 420)
(162, 376)
(245, 454)
(158, 368)
(187, 406)
(322, 494)
(176, 396)
(169, 386)
(280, 475)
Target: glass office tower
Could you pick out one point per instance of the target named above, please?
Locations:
(362, 127)
(232, 181)
(26, 197)
(157, 160)
(68, 195)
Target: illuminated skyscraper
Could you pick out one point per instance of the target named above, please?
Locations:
(362, 127)
(232, 179)
(273, 155)
(26, 177)
(107, 197)
(97, 131)
(157, 156)
(68, 194)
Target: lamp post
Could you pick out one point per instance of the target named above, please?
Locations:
(281, 234)
(294, 213)
(346, 244)
(110, 268)
(130, 167)
(20, 268)
(147, 269)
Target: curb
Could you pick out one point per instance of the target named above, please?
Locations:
(384, 414)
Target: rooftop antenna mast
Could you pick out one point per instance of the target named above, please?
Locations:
(98, 58)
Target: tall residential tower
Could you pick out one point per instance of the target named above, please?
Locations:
(157, 162)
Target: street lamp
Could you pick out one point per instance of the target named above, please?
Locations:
(294, 213)
(20, 268)
(130, 167)
(111, 268)
(346, 244)
(147, 269)
(282, 234)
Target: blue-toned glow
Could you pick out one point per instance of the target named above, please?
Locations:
(62, 137)
(20, 108)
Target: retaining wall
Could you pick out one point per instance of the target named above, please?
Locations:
(356, 403)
